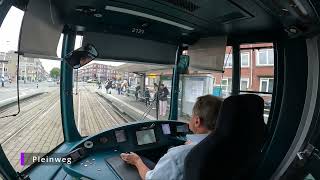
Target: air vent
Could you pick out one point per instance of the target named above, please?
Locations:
(230, 17)
(184, 4)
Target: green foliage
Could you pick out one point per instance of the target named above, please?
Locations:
(55, 73)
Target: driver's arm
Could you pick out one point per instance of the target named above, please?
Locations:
(166, 168)
(134, 159)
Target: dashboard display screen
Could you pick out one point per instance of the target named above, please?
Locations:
(146, 137)
(183, 128)
(120, 136)
(75, 155)
(166, 129)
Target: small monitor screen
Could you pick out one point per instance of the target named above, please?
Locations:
(183, 128)
(120, 136)
(146, 137)
(166, 129)
(75, 155)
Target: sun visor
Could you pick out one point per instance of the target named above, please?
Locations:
(141, 68)
(208, 54)
(126, 48)
(41, 30)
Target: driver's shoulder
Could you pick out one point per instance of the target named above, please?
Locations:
(180, 150)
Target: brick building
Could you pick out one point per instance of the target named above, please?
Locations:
(96, 71)
(257, 69)
(101, 72)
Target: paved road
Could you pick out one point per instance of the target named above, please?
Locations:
(38, 127)
(10, 90)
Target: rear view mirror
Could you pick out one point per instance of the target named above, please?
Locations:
(81, 56)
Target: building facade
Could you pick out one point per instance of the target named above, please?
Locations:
(101, 72)
(257, 69)
(30, 69)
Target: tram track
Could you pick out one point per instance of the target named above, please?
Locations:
(36, 129)
(31, 110)
(98, 114)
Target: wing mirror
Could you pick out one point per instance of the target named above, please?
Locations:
(81, 56)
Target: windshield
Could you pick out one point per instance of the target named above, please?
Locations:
(37, 128)
(109, 94)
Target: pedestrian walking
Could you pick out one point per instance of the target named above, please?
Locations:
(2, 81)
(119, 88)
(108, 86)
(136, 93)
(147, 96)
(163, 93)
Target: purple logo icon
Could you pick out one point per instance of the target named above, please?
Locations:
(22, 158)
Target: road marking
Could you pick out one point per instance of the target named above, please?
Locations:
(79, 110)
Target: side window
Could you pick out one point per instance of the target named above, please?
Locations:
(37, 128)
(199, 83)
(258, 78)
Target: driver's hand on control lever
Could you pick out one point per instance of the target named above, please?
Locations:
(130, 158)
(134, 159)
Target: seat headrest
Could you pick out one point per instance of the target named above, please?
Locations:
(241, 115)
(233, 149)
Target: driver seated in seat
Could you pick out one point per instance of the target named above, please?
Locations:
(170, 166)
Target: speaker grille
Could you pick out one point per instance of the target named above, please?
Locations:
(184, 4)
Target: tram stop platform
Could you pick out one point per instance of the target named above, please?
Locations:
(137, 110)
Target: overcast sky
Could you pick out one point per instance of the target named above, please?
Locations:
(9, 35)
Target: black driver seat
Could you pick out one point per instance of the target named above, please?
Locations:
(233, 150)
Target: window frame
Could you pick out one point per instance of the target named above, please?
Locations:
(228, 57)
(227, 85)
(267, 50)
(247, 80)
(245, 54)
(268, 83)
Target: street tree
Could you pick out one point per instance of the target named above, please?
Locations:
(55, 73)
